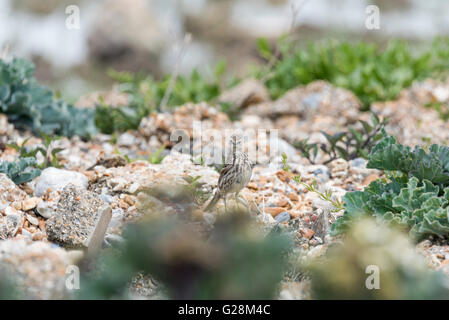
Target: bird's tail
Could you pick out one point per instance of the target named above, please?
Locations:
(213, 202)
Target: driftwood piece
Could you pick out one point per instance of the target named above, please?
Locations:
(96, 238)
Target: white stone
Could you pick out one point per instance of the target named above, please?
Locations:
(11, 211)
(56, 179)
(44, 209)
(32, 220)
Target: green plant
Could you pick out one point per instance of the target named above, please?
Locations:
(145, 96)
(9, 288)
(415, 197)
(32, 106)
(47, 151)
(326, 195)
(348, 145)
(194, 190)
(156, 157)
(21, 171)
(374, 262)
(371, 73)
(193, 265)
(441, 108)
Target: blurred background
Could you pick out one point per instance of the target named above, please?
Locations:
(145, 35)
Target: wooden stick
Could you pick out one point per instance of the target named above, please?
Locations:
(97, 236)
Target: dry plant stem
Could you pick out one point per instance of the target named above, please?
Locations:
(277, 53)
(326, 196)
(5, 52)
(187, 39)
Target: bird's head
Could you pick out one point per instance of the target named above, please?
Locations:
(236, 140)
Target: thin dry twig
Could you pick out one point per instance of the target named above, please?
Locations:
(5, 52)
(277, 52)
(182, 50)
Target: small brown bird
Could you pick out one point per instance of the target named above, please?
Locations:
(234, 176)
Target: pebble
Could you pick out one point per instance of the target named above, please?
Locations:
(11, 211)
(30, 204)
(56, 179)
(369, 179)
(282, 217)
(274, 211)
(44, 209)
(358, 163)
(293, 196)
(32, 220)
(307, 233)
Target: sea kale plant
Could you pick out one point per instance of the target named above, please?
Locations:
(350, 144)
(415, 196)
(371, 72)
(20, 171)
(30, 105)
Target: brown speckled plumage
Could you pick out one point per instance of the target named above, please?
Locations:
(234, 176)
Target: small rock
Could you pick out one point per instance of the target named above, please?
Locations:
(11, 211)
(266, 218)
(37, 236)
(321, 225)
(248, 92)
(369, 179)
(27, 234)
(126, 139)
(45, 209)
(322, 174)
(358, 163)
(30, 204)
(112, 161)
(56, 179)
(39, 267)
(134, 187)
(293, 196)
(32, 220)
(441, 94)
(75, 217)
(274, 211)
(106, 198)
(284, 176)
(282, 203)
(307, 233)
(9, 226)
(9, 191)
(282, 217)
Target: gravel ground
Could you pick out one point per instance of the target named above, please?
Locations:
(60, 219)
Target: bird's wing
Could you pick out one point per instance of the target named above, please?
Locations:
(223, 173)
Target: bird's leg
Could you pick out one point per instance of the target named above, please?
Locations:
(226, 206)
(239, 198)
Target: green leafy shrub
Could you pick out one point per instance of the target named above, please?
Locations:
(145, 96)
(21, 171)
(415, 197)
(8, 284)
(348, 145)
(371, 73)
(30, 105)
